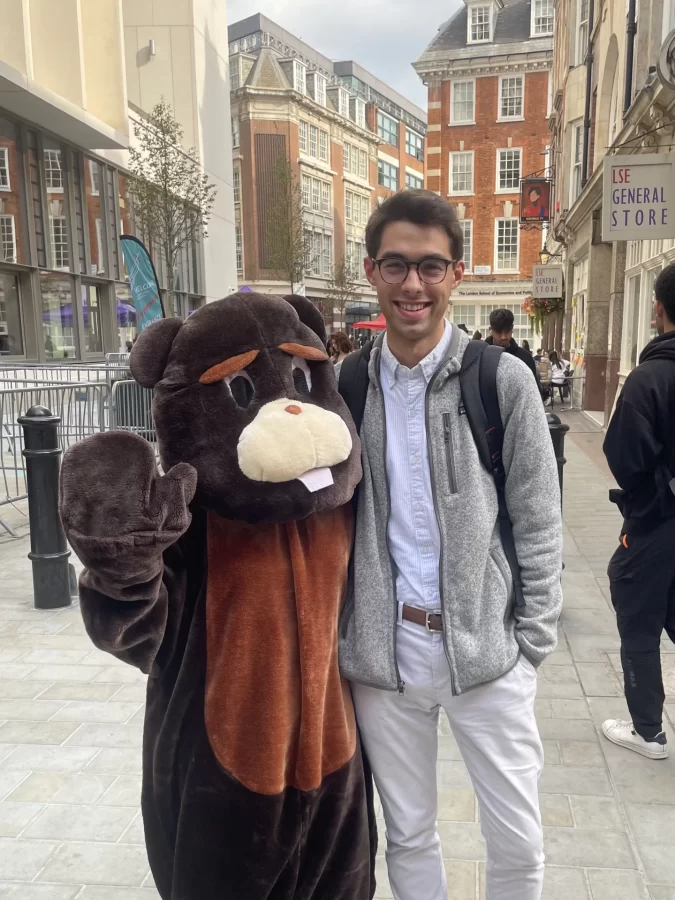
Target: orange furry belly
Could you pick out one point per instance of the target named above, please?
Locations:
(277, 712)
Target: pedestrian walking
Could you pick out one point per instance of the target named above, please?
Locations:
(526, 346)
(640, 450)
(431, 619)
(501, 334)
(339, 346)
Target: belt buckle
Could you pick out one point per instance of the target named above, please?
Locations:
(427, 623)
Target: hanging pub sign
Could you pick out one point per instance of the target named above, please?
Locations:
(547, 282)
(638, 197)
(535, 200)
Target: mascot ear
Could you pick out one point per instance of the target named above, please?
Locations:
(150, 353)
(308, 314)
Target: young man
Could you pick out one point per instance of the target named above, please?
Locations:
(430, 621)
(501, 334)
(640, 450)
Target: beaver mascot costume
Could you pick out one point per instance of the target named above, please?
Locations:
(223, 579)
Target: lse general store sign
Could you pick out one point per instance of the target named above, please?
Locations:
(638, 201)
(547, 281)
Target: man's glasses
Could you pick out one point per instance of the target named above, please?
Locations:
(431, 269)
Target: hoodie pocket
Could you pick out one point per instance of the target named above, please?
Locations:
(504, 570)
(449, 454)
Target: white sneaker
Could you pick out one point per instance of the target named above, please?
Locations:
(623, 734)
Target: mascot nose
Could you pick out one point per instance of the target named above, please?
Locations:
(293, 410)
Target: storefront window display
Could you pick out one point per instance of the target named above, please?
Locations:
(11, 332)
(91, 313)
(58, 325)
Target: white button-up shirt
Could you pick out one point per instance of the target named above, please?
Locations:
(414, 538)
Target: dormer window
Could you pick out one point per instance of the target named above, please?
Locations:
(343, 102)
(299, 77)
(316, 84)
(357, 108)
(480, 24)
(542, 18)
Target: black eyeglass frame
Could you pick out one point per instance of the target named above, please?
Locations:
(408, 264)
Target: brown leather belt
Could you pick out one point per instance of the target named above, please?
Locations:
(430, 621)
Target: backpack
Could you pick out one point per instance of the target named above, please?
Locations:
(478, 383)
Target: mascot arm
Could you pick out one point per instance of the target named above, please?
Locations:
(124, 521)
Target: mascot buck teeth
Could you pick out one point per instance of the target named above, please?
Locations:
(224, 580)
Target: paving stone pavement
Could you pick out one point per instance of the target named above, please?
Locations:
(71, 720)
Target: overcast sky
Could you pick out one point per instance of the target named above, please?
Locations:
(383, 36)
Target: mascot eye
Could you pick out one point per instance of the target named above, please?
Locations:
(302, 377)
(241, 388)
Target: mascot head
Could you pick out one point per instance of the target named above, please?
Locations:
(245, 393)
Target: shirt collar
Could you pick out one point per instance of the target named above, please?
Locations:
(427, 366)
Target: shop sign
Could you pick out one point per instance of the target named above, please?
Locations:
(547, 282)
(638, 200)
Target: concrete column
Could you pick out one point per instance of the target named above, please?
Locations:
(597, 325)
(615, 325)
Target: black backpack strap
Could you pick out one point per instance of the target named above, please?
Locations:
(478, 379)
(353, 382)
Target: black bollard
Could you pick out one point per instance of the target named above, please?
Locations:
(558, 430)
(49, 549)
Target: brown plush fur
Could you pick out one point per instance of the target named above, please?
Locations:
(227, 592)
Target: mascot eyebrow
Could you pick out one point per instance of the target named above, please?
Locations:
(304, 352)
(237, 363)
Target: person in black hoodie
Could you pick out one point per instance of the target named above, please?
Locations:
(640, 450)
(501, 334)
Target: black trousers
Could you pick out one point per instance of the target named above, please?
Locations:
(642, 583)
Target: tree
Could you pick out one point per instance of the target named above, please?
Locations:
(172, 197)
(342, 289)
(289, 248)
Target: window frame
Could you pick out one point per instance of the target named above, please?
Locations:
(236, 133)
(515, 224)
(4, 151)
(8, 217)
(239, 249)
(64, 242)
(381, 174)
(316, 195)
(306, 190)
(326, 203)
(303, 135)
(363, 164)
(381, 130)
(299, 77)
(53, 153)
(461, 193)
(323, 145)
(516, 188)
(313, 133)
(414, 187)
(453, 119)
(409, 132)
(468, 263)
(576, 164)
(320, 85)
(470, 24)
(583, 26)
(500, 99)
(533, 20)
(236, 185)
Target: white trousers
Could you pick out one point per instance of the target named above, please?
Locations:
(495, 729)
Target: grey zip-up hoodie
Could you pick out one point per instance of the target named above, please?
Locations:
(483, 630)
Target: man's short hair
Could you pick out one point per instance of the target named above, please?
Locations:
(501, 320)
(664, 291)
(419, 207)
(535, 190)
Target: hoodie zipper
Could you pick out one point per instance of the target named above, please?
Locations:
(449, 454)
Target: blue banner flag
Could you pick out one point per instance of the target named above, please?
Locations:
(142, 281)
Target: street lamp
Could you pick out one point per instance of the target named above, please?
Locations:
(545, 257)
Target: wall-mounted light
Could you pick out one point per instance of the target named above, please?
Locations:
(152, 47)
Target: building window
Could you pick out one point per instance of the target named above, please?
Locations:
(465, 314)
(542, 17)
(316, 195)
(319, 89)
(57, 316)
(413, 181)
(235, 132)
(299, 77)
(577, 158)
(363, 164)
(302, 131)
(508, 170)
(343, 102)
(507, 237)
(347, 157)
(306, 190)
(91, 311)
(582, 31)
(11, 332)
(53, 170)
(461, 172)
(325, 198)
(327, 255)
(511, 97)
(358, 111)
(94, 177)
(4, 169)
(239, 250)
(323, 146)
(387, 128)
(479, 24)
(235, 74)
(7, 239)
(349, 210)
(236, 186)
(463, 105)
(313, 141)
(522, 324)
(387, 175)
(58, 230)
(97, 265)
(414, 144)
(467, 231)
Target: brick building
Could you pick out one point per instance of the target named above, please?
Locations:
(488, 76)
(289, 101)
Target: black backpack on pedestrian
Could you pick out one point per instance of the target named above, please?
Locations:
(478, 382)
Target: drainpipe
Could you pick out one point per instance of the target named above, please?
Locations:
(631, 29)
(587, 104)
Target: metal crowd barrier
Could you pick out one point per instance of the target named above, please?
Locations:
(131, 409)
(83, 408)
